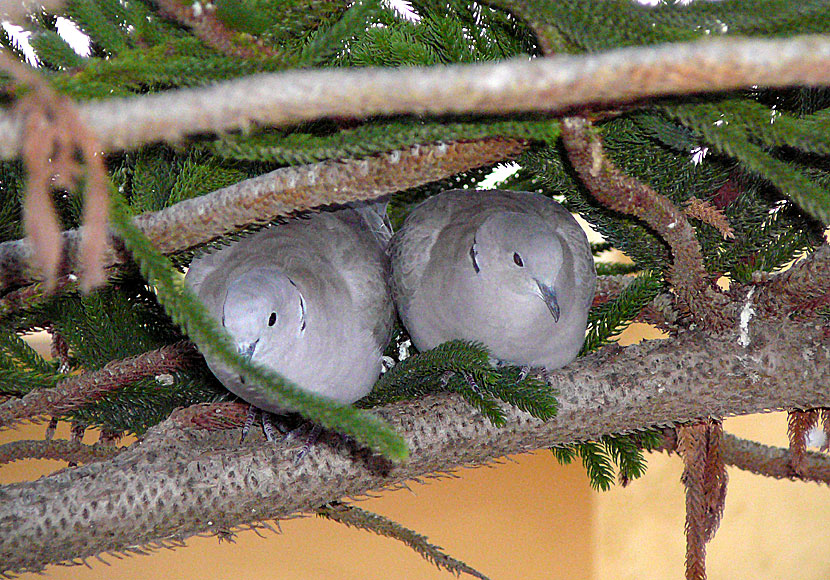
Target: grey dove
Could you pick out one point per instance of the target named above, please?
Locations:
(308, 298)
(512, 270)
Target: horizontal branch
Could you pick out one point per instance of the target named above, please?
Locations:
(176, 483)
(279, 193)
(775, 462)
(552, 84)
(60, 449)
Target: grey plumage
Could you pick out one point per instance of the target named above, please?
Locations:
(512, 270)
(307, 298)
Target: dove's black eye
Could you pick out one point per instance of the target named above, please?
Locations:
(517, 259)
(272, 320)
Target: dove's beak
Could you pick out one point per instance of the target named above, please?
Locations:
(549, 297)
(246, 350)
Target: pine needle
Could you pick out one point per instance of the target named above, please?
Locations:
(355, 517)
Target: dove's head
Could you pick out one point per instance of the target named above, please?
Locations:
(262, 305)
(523, 253)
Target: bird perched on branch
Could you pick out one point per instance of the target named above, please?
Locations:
(512, 270)
(307, 298)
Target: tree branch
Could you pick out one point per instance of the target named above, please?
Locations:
(279, 193)
(695, 288)
(176, 482)
(58, 449)
(802, 289)
(776, 462)
(78, 390)
(553, 84)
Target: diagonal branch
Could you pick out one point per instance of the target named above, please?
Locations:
(78, 390)
(280, 193)
(553, 84)
(202, 20)
(156, 489)
(355, 517)
(695, 288)
(801, 289)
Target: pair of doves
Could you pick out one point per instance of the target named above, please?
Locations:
(312, 298)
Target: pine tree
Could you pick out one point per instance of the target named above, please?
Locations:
(671, 129)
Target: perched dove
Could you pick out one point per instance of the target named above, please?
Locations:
(512, 270)
(307, 298)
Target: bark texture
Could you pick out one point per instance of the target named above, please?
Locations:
(264, 198)
(552, 84)
(176, 483)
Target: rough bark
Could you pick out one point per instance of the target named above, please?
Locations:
(553, 84)
(176, 483)
(282, 192)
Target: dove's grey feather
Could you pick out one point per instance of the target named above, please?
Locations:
(324, 278)
(512, 270)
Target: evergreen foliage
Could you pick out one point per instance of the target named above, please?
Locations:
(772, 146)
(465, 368)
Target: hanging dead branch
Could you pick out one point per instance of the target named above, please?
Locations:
(52, 135)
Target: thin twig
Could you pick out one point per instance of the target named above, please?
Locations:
(776, 462)
(211, 416)
(79, 390)
(61, 449)
(553, 84)
(696, 291)
(280, 193)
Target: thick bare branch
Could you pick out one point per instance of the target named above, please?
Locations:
(552, 84)
(279, 193)
(156, 490)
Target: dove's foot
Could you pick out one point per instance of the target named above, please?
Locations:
(309, 433)
(253, 413)
(273, 426)
(468, 378)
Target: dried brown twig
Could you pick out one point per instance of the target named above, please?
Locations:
(201, 18)
(709, 214)
(78, 390)
(53, 133)
(704, 477)
(211, 416)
